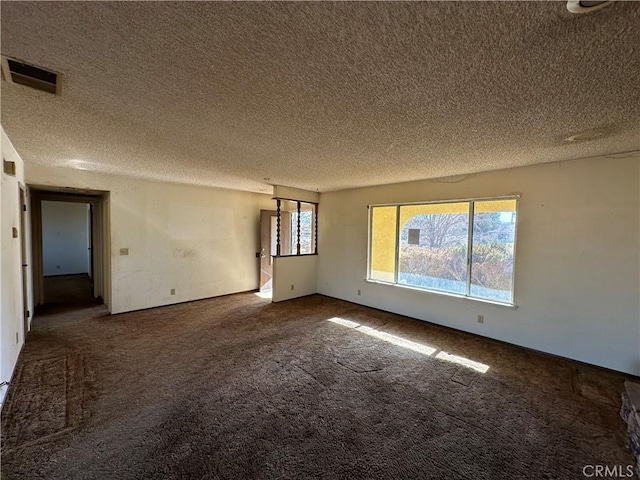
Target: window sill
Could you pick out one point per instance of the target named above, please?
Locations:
(509, 306)
(295, 255)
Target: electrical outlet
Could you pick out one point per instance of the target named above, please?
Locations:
(480, 318)
(173, 291)
(124, 251)
(17, 337)
(359, 292)
(292, 286)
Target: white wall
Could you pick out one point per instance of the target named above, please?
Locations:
(11, 301)
(65, 240)
(200, 241)
(577, 261)
(299, 272)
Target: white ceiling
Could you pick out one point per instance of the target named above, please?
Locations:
(320, 96)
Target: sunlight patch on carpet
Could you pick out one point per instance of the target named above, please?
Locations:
(465, 362)
(410, 345)
(387, 337)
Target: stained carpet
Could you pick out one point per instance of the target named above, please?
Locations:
(238, 387)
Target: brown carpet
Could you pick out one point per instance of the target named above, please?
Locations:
(67, 292)
(238, 387)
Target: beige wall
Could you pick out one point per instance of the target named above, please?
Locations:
(294, 276)
(11, 297)
(577, 260)
(200, 241)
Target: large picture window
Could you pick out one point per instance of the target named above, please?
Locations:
(463, 248)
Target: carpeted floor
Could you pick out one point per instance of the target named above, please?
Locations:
(238, 387)
(67, 292)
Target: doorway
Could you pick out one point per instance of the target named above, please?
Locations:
(70, 247)
(66, 252)
(268, 245)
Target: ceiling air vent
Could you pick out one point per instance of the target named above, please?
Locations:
(15, 71)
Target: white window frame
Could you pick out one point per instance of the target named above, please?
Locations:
(471, 202)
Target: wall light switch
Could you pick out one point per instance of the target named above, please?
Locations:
(15, 232)
(124, 251)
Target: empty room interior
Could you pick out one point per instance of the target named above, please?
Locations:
(320, 240)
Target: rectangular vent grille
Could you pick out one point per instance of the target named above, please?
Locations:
(15, 71)
(9, 167)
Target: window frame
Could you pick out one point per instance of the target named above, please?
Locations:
(398, 233)
(314, 217)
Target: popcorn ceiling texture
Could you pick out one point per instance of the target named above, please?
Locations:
(320, 96)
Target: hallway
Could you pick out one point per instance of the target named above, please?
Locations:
(68, 292)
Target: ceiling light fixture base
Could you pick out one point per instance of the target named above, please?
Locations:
(586, 6)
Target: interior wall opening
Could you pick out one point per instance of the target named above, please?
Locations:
(268, 246)
(66, 252)
(70, 248)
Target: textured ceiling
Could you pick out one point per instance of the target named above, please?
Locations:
(321, 96)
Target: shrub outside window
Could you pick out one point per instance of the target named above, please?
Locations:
(463, 248)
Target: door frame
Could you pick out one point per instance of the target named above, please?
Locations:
(100, 237)
(24, 257)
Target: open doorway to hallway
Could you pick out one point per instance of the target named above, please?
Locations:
(70, 248)
(66, 252)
